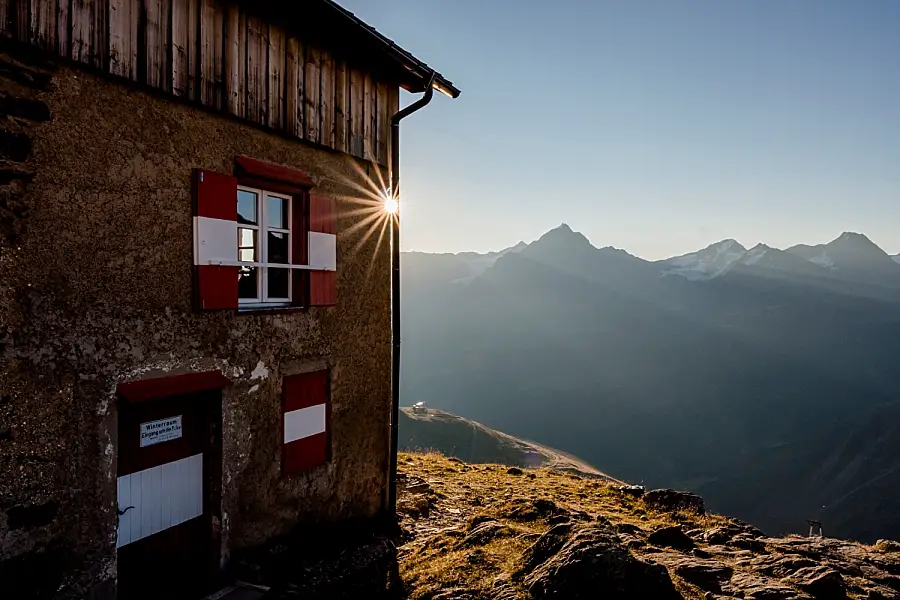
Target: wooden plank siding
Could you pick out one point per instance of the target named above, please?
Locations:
(217, 54)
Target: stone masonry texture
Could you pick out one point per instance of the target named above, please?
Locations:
(96, 288)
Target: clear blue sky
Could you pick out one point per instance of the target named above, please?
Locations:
(657, 126)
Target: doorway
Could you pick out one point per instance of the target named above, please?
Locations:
(169, 495)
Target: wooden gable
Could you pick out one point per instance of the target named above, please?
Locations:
(222, 56)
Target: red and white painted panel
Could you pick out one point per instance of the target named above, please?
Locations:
(158, 498)
(306, 421)
(215, 239)
(216, 243)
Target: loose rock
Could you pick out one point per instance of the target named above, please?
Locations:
(671, 500)
(820, 581)
(593, 564)
(671, 537)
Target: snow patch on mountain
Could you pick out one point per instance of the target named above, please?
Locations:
(823, 260)
(755, 254)
(706, 263)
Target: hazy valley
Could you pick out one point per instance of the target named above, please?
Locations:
(763, 379)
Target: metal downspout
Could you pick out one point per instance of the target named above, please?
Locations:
(395, 288)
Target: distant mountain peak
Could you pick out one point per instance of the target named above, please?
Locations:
(852, 235)
(756, 254)
(705, 263)
(563, 236)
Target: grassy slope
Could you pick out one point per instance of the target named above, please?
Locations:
(432, 562)
(473, 442)
(440, 497)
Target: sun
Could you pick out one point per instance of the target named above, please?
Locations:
(390, 206)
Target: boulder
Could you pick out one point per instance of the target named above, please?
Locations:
(747, 542)
(593, 564)
(635, 491)
(887, 546)
(760, 588)
(724, 533)
(671, 537)
(546, 546)
(820, 581)
(672, 500)
(523, 510)
(777, 565)
(708, 575)
(557, 519)
(515, 471)
(629, 529)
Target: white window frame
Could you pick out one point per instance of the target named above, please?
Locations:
(262, 263)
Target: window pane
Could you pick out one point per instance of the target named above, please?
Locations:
(247, 208)
(278, 247)
(278, 283)
(247, 278)
(277, 213)
(247, 240)
(247, 255)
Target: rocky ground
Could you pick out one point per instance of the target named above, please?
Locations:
(491, 532)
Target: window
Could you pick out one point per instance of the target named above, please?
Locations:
(264, 242)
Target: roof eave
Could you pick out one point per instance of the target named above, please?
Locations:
(420, 72)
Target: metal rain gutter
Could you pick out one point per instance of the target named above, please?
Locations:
(395, 287)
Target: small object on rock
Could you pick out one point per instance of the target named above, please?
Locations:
(672, 500)
(700, 553)
(635, 491)
(820, 581)
(604, 521)
(453, 459)
(515, 471)
(531, 475)
(671, 537)
(557, 519)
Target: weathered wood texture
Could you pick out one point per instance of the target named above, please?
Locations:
(213, 53)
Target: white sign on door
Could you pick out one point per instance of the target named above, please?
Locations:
(164, 430)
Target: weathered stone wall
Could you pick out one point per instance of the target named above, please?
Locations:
(95, 288)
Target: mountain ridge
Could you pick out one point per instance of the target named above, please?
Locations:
(589, 349)
(851, 257)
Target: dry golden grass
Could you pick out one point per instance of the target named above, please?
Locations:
(436, 560)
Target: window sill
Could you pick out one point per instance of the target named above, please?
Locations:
(269, 309)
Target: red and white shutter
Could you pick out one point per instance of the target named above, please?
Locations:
(215, 240)
(322, 253)
(306, 421)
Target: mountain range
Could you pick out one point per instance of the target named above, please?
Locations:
(753, 376)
